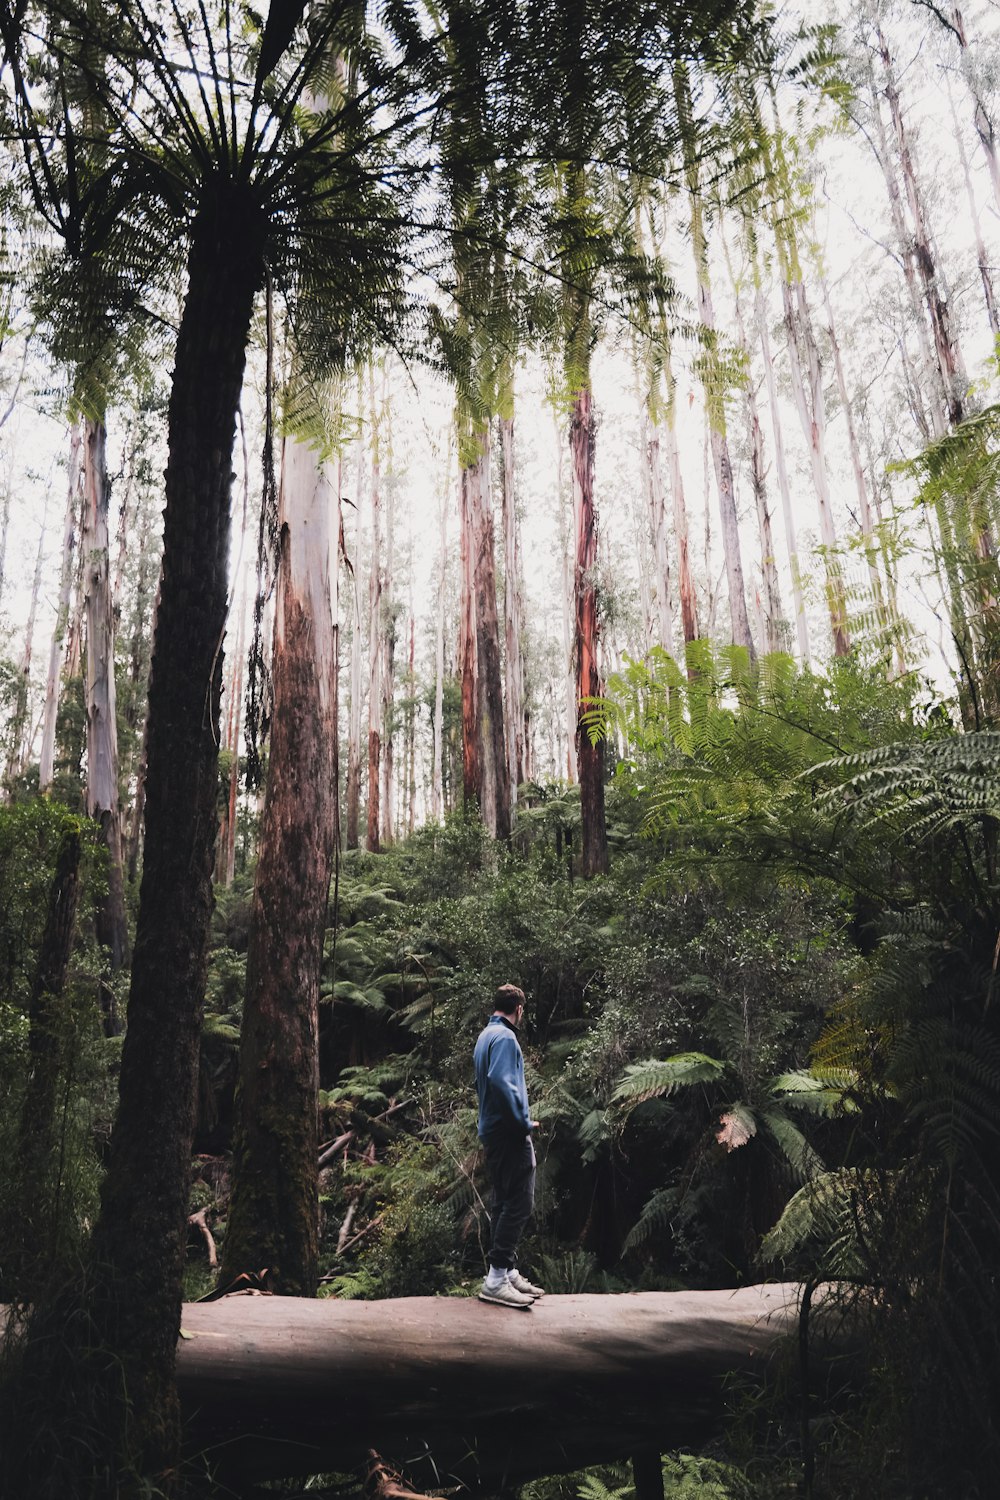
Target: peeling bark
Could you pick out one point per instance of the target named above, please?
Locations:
(589, 754)
(274, 1211)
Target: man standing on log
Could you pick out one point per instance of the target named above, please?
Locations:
(505, 1127)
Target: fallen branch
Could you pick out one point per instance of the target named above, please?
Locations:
(384, 1483)
(329, 1152)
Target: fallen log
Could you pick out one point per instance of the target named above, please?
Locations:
(453, 1391)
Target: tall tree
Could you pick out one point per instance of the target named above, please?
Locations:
(713, 381)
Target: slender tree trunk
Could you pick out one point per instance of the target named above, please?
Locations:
(770, 604)
(375, 642)
(494, 773)
(387, 647)
(468, 647)
(353, 792)
(983, 123)
(658, 527)
(274, 1210)
(714, 395)
(102, 719)
(982, 255)
(567, 595)
(139, 1242)
(20, 739)
(4, 529)
(46, 762)
(589, 754)
(810, 402)
(411, 723)
(688, 598)
(929, 372)
(437, 776)
(225, 866)
(513, 605)
(949, 359)
(860, 479)
(139, 805)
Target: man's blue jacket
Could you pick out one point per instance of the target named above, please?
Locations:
(503, 1096)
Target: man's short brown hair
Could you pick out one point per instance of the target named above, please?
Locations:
(507, 998)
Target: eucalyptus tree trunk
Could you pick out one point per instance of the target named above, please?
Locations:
(495, 774)
(353, 790)
(375, 642)
(513, 605)
(18, 729)
(685, 578)
(982, 254)
(714, 396)
(102, 721)
(437, 778)
(138, 806)
(566, 600)
(926, 380)
(46, 760)
(658, 527)
(810, 403)
(860, 478)
(770, 604)
(4, 529)
(411, 722)
(589, 752)
(138, 1245)
(984, 125)
(468, 646)
(225, 863)
(274, 1208)
(387, 647)
(954, 379)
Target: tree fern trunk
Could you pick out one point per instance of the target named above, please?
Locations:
(139, 1241)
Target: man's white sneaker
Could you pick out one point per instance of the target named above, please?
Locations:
(522, 1284)
(504, 1295)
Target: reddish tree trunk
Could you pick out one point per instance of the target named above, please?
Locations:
(468, 648)
(590, 754)
(274, 1211)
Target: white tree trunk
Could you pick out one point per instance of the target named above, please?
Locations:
(353, 794)
(513, 662)
(437, 778)
(46, 763)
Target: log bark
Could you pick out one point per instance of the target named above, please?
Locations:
(278, 1387)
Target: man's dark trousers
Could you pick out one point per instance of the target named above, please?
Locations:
(510, 1161)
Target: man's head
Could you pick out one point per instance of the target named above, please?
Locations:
(509, 1001)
